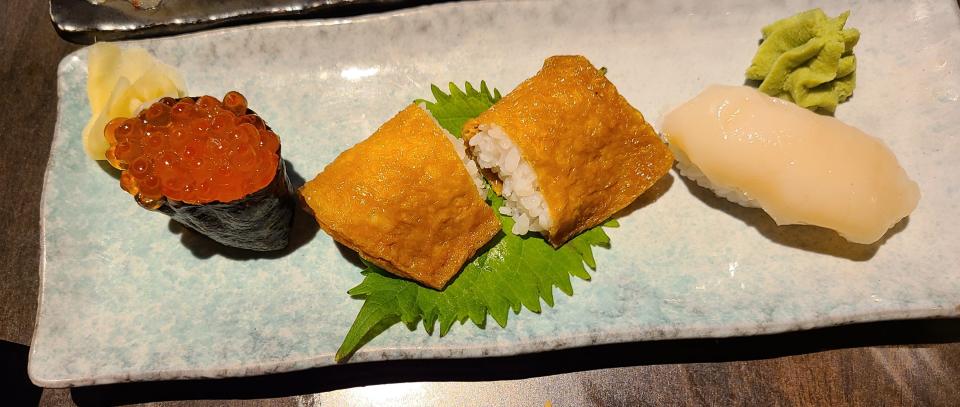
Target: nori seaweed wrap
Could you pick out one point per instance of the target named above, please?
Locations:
(212, 166)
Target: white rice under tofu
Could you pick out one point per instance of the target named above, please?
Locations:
(462, 153)
(691, 171)
(493, 150)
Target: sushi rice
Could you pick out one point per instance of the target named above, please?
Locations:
(494, 151)
(691, 171)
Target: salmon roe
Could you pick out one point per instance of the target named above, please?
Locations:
(193, 151)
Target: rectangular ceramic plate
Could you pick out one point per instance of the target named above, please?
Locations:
(125, 297)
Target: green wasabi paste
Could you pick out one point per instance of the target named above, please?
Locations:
(807, 59)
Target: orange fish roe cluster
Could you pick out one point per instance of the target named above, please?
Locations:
(193, 151)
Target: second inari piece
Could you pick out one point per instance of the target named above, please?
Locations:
(407, 199)
(566, 150)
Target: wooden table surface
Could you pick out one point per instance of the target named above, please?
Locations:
(890, 363)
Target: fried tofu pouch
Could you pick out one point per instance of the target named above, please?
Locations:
(403, 199)
(591, 151)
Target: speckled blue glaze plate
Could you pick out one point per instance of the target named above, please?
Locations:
(126, 295)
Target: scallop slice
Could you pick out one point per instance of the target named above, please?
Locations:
(798, 166)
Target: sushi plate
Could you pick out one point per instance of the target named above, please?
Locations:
(128, 295)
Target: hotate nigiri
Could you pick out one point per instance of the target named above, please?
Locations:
(798, 166)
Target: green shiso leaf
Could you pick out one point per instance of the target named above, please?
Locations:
(453, 110)
(510, 273)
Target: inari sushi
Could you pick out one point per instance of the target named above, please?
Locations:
(798, 166)
(407, 199)
(212, 166)
(565, 150)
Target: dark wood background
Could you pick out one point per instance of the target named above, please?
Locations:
(889, 363)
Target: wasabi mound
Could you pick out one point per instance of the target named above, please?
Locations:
(807, 59)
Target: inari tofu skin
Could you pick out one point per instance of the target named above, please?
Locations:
(404, 200)
(212, 166)
(586, 150)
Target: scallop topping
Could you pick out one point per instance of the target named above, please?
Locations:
(194, 151)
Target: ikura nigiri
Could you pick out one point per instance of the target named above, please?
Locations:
(213, 166)
(798, 166)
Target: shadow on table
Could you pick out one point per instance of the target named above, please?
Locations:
(17, 388)
(529, 365)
